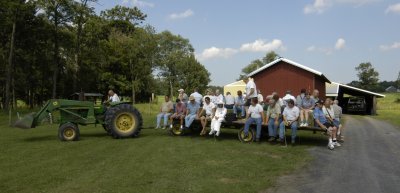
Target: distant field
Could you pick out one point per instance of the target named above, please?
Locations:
(36, 161)
(389, 108)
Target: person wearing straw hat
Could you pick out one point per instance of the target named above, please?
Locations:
(192, 111)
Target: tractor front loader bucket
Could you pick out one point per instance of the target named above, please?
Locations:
(26, 122)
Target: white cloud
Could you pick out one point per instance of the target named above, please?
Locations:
(138, 3)
(395, 8)
(215, 52)
(261, 46)
(319, 6)
(340, 44)
(311, 48)
(182, 15)
(395, 45)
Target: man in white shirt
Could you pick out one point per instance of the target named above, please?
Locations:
(255, 114)
(197, 96)
(288, 97)
(206, 114)
(218, 97)
(251, 91)
(229, 101)
(260, 98)
(290, 115)
(112, 96)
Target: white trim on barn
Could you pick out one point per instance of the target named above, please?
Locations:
(289, 62)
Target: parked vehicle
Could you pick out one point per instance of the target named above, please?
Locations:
(357, 105)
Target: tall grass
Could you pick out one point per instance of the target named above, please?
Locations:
(389, 108)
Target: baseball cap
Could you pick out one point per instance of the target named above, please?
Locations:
(181, 90)
(191, 98)
(320, 101)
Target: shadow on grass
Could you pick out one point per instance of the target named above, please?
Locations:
(41, 138)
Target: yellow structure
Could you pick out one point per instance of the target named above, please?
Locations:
(234, 87)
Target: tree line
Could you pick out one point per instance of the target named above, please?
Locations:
(54, 48)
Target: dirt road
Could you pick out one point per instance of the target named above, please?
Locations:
(368, 161)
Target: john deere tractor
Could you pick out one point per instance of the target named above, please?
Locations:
(119, 119)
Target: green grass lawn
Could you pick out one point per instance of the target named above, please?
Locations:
(35, 160)
(389, 108)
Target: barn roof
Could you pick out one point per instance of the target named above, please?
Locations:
(291, 63)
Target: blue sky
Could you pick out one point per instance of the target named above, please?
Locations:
(331, 36)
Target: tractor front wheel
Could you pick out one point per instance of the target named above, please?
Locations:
(68, 132)
(123, 121)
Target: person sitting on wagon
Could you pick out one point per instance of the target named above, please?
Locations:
(165, 111)
(239, 104)
(180, 110)
(290, 115)
(322, 122)
(273, 113)
(255, 114)
(306, 105)
(206, 114)
(192, 111)
(219, 116)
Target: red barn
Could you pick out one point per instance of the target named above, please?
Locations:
(283, 74)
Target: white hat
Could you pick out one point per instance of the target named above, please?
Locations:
(220, 102)
(181, 90)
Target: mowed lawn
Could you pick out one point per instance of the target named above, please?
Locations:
(389, 108)
(35, 160)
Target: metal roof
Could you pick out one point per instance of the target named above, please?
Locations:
(292, 63)
(333, 88)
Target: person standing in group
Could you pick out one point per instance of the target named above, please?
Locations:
(182, 96)
(322, 122)
(239, 104)
(229, 101)
(337, 110)
(288, 97)
(192, 111)
(315, 95)
(206, 114)
(255, 114)
(180, 110)
(251, 91)
(218, 97)
(306, 105)
(216, 121)
(290, 115)
(197, 96)
(260, 98)
(273, 113)
(165, 111)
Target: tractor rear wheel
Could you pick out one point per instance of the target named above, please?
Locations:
(123, 121)
(68, 132)
(251, 135)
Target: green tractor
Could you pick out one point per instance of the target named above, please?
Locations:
(119, 119)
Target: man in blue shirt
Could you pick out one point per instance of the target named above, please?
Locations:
(322, 122)
(191, 112)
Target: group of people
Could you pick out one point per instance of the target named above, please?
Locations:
(187, 112)
(276, 112)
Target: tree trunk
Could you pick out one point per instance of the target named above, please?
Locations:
(56, 58)
(9, 68)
